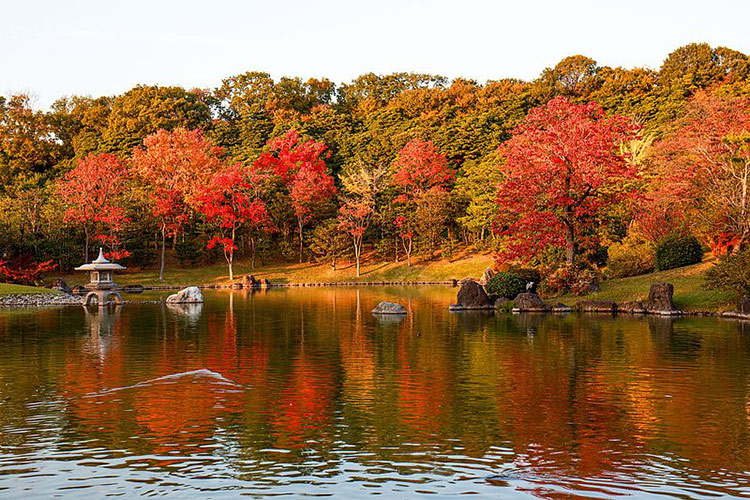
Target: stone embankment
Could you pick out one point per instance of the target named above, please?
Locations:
(472, 296)
(39, 299)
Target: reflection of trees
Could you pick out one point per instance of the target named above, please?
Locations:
(581, 393)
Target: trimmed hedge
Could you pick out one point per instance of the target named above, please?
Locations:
(678, 251)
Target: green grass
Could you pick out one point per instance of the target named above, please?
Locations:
(9, 289)
(689, 294)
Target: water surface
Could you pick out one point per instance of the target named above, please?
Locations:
(303, 392)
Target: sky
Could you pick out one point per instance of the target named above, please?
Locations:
(53, 48)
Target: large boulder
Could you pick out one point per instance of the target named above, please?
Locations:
(743, 306)
(529, 302)
(189, 295)
(249, 281)
(487, 276)
(79, 290)
(660, 299)
(472, 296)
(597, 306)
(59, 284)
(389, 308)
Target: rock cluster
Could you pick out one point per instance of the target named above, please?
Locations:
(189, 295)
(597, 306)
(250, 281)
(40, 299)
(60, 285)
(634, 307)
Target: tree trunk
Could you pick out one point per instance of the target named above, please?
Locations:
(299, 224)
(570, 245)
(357, 252)
(163, 250)
(230, 258)
(86, 246)
(252, 252)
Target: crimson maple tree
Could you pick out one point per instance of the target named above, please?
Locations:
(175, 165)
(421, 172)
(93, 195)
(564, 168)
(301, 169)
(355, 216)
(231, 202)
(704, 167)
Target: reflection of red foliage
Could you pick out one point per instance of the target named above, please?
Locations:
(305, 404)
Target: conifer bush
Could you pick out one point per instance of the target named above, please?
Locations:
(678, 251)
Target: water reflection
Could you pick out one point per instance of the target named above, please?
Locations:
(304, 391)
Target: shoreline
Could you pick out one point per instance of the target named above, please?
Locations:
(64, 299)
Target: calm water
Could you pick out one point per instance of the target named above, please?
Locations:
(304, 392)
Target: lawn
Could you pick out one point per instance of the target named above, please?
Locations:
(428, 270)
(9, 289)
(689, 294)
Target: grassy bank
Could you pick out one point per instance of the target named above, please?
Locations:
(689, 294)
(433, 270)
(9, 289)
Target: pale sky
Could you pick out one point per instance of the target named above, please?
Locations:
(53, 48)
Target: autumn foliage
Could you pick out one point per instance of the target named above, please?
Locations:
(563, 171)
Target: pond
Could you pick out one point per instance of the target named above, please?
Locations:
(303, 392)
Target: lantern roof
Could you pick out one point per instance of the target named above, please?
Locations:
(100, 264)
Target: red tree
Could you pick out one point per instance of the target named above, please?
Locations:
(354, 218)
(301, 168)
(564, 169)
(421, 171)
(704, 167)
(93, 195)
(420, 167)
(230, 200)
(175, 166)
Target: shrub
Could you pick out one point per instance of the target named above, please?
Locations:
(632, 257)
(678, 251)
(568, 279)
(505, 284)
(731, 273)
(528, 275)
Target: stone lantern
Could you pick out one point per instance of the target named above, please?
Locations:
(101, 285)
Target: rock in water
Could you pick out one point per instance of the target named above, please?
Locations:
(389, 308)
(249, 281)
(660, 299)
(472, 296)
(191, 294)
(529, 302)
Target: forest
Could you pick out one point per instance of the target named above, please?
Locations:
(585, 171)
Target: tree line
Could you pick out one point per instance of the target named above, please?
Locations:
(582, 160)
